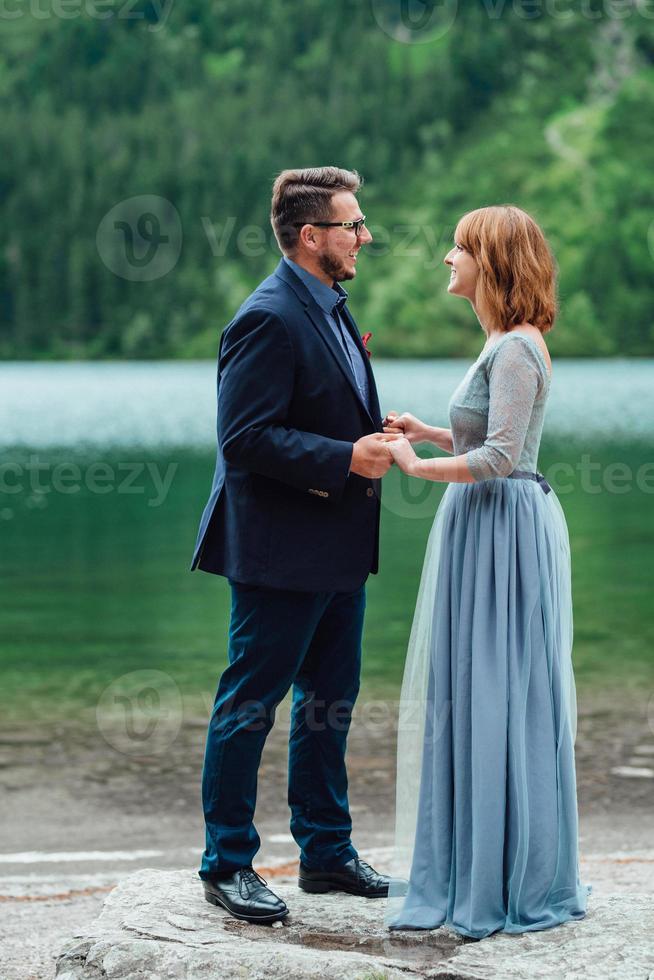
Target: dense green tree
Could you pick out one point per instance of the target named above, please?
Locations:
(202, 103)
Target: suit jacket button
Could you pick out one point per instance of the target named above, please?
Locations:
(370, 492)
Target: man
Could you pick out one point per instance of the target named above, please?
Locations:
(293, 523)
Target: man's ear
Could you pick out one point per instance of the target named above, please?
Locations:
(308, 237)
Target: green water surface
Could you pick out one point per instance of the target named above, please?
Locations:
(97, 584)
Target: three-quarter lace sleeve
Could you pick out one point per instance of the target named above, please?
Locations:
(515, 380)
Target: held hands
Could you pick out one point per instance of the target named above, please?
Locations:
(404, 455)
(371, 455)
(406, 424)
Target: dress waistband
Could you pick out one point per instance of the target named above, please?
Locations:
(538, 477)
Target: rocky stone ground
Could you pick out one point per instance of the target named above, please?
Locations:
(156, 925)
(79, 815)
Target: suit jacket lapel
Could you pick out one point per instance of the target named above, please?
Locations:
(354, 331)
(319, 320)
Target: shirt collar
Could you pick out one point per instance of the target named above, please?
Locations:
(327, 297)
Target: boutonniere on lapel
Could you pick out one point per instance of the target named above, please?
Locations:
(364, 340)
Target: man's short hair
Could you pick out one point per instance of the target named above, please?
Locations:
(302, 196)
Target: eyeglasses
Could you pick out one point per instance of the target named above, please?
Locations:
(356, 225)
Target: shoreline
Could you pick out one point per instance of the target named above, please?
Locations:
(79, 816)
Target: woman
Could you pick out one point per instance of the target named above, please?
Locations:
(487, 811)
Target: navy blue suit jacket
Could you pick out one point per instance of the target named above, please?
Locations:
(284, 512)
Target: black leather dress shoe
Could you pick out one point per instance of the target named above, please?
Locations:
(356, 878)
(245, 895)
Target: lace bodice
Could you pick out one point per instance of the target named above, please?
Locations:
(497, 411)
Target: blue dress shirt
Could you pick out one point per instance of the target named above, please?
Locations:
(331, 301)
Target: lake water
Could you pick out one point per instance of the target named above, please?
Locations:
(105, 471)
(165, 405)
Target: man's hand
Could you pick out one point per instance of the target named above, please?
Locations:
(371, 456)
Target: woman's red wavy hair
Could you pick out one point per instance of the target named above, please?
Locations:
(517, 272)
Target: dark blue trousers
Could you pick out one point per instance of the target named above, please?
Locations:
(279, 638)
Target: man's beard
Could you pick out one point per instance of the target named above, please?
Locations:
(334, 267)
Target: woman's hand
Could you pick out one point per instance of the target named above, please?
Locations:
(404, 455)
(411, 427)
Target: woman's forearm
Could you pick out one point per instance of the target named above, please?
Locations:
(440, 437)
(453, 470)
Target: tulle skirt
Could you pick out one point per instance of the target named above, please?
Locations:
(486, 825)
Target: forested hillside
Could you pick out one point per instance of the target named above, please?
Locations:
(201, 103)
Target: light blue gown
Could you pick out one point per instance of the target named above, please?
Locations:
(486, 825)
